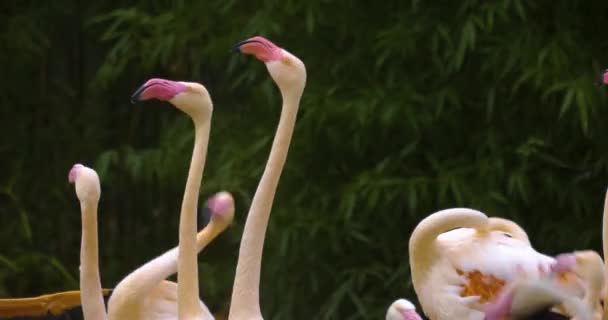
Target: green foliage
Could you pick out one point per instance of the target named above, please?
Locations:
(410, 107)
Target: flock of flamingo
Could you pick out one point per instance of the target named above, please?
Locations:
(464, 264)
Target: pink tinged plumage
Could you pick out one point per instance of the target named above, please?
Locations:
(564, 262)
(160, 89)
(605, 77)
(261, 47)
(410, 315)
(501, 307)
(74, 172)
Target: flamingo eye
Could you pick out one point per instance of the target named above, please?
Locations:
(508, 235)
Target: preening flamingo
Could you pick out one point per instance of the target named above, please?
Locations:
(455, 272)
(194, 100)
(289, 74)
(402, 309)
(144, 294)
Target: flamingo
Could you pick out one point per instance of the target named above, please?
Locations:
(91, 295)
(454, 272)
(194, 100)
(88, 191)
(402, 309)
(289, 74)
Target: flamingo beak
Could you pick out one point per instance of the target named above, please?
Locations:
(261, 48)
(237, 47)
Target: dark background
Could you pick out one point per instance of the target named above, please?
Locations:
(410, 107)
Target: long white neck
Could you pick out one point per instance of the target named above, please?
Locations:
(93, 307)
(187, 265)
(245, 303)
(605, 249)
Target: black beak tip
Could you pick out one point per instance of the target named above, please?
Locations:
(136, 96)
(237, 47)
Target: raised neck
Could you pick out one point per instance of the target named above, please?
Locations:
(245, 302)
(93, 307)
(187, 266)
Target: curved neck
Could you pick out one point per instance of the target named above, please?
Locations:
(93, 307)
(134, 287)
(423, 251)
(245, 302)
(187, 266)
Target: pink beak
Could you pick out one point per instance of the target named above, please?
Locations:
(261, 47)
(161, 89)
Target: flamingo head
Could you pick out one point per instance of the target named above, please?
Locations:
(604, 78)
(86, 182)
(402, 309)
(221, 206)
(190, 97)
(510, 230)
(564, 262)
(287, 71)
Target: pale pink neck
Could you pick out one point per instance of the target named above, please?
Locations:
(245, 303)
(187, 265)
(93, 307)
(605, 244)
